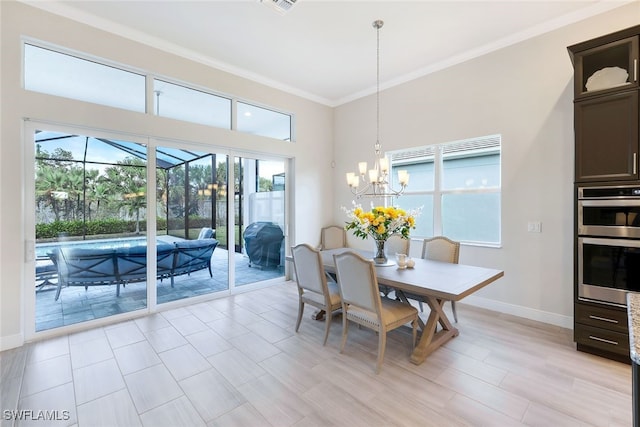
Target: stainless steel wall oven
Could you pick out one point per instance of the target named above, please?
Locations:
(608, 243)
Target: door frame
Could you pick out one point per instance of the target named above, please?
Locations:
(151, 142)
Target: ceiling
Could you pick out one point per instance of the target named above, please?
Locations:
(326, 50)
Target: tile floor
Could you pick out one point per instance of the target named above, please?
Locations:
(236, 361)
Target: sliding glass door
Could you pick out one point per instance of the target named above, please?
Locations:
(90, 227)
(259, 204)
(108, 242)
(192, 207)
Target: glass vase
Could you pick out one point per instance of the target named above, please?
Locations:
(381, 254)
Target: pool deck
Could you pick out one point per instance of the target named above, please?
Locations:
(77, 305)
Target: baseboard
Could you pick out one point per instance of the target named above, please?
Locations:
(520, 311)
(11, 341)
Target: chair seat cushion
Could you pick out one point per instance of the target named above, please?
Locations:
(392, 312)
(317, 298)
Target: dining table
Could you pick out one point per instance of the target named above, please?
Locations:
(436, 282)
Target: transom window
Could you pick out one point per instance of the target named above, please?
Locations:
(70, 76)
(54, 73)
(191, 105)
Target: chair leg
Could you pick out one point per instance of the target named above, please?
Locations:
(327, 321)
(345, 325)
(300, 311)
(382, 344)
(455, 313)
(414, 334)
(421, 306)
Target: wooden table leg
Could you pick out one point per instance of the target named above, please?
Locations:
(318, 315)
(402, 297)
(430, 340)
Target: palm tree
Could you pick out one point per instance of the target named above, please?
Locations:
(50, 187)
(128, 179)
(90, 184)
(74, 185)
(101, 192)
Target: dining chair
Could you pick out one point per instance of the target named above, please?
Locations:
(395, 245)
(333, 237)
(441, 248)
(313, 286)
(362, 304)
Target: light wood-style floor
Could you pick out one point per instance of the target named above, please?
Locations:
(236, 361)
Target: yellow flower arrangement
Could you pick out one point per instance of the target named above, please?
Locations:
(381, 222)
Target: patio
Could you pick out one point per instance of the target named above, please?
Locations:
(77, 305)
(92, 190)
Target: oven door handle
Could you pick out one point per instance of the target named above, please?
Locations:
(623, 243)
(609, 202)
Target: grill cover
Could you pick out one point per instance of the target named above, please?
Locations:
(263, 241)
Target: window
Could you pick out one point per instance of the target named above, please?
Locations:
(60, 74)
(183, 103)
(264, 122)
(64, 75)
(458, 185)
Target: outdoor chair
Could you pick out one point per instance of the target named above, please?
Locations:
(207, 233)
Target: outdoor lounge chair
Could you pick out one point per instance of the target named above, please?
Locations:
(77, 266)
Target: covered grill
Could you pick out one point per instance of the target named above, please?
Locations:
(263, 242)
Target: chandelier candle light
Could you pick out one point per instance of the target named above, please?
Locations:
(376, 181)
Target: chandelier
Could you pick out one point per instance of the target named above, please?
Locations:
(375, 182)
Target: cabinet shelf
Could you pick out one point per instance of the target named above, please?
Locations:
(608, 68)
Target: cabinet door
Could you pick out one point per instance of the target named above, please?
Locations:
(602, 339)
(607, 68)
(606, 131)
(602, 317)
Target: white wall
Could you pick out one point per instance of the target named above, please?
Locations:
(523, 92)
(312, 150)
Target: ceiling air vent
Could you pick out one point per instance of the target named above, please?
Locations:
(281, 6)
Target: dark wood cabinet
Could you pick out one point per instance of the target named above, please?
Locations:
(606, 68)
(606, 74)
(607, 151)
(602, 330)
(606, 137)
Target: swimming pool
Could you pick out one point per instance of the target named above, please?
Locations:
(43, 248)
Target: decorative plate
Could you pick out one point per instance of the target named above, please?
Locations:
(606, 78)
